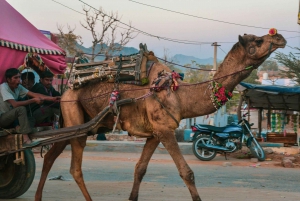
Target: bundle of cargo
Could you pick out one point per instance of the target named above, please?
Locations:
(134, 69)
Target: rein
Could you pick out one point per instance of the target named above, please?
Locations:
(270, 47)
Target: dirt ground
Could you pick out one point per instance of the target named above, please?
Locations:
(119, 189)
(275, 158)
(239, 158)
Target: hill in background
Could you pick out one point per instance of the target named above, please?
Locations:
(125, 51)
(178, 58)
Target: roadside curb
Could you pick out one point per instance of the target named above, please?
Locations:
(130, 147)
(137, 147)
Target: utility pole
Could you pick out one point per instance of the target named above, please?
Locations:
(215, 44)
(218, 112)
(299, 14)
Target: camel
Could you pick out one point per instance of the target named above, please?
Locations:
(155, 118)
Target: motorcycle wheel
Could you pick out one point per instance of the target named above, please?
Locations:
(202, 153)
(256, 150)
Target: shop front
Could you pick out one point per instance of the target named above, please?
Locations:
(275, 109)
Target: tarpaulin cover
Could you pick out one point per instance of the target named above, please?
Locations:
(271, 96)
(18, 37)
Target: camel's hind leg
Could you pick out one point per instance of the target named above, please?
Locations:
(169, 141)
(49, 159)
(141, 166)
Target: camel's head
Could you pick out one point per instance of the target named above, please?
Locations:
(259, 48)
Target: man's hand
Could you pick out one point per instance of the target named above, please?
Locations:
(38, 100)
(56, 99)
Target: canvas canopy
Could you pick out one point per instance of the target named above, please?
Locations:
(271, 96)
(18, 37)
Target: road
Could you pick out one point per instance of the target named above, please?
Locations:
(109, 177)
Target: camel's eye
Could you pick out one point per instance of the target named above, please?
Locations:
(259, 42)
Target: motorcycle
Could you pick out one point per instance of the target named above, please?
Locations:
(209, 140)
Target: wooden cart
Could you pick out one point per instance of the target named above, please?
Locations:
(17, 165)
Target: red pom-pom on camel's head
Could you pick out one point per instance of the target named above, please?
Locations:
(272, 31)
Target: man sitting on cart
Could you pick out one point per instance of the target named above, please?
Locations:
(28, 80)
(49, 110)
(13, 111)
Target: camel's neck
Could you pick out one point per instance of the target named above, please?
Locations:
(196, 99)
(232, 70)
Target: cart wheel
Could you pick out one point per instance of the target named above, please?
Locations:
(15, 179)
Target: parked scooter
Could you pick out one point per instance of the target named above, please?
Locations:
(210, 140)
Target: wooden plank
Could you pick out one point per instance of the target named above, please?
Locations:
(92, 64)
(105, 69)
(7, 143)
(289, 138)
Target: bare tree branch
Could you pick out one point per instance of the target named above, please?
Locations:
(69, 40)
(106, 39)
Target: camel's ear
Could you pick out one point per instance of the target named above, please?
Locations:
(242, 41)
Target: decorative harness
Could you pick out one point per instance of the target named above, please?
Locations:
(168, 81)
(219, 95)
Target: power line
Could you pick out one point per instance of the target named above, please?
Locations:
(205, 18)
(292, 37)
(292, 47)
(184, 66)
(67, 7)
(222, 50)
(189, 42)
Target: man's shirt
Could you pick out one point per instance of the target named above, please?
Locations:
(7, 94)
(41, 89)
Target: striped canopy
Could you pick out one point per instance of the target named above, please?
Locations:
(18, 37)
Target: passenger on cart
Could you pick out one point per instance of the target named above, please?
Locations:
(49, 111)
(12, 111)
(28, 80)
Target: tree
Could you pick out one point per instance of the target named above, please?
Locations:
(269, 65)
(252, 79)
(292, 63)
(194, 76)
(106, 38)
(68, 41)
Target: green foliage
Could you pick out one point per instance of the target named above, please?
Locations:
(292, 62)
(172, 67)
(194, 76)
(252, 78)
(68, 41)
(269, 65)
(233, 102)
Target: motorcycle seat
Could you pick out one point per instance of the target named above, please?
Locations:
(225, 129)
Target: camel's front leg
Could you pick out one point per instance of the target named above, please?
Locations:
(49, 159)
(141, 166)
(78, 145)
(168, 139)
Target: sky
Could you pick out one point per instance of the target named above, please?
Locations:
(280, 14)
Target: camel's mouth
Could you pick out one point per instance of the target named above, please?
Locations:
(282, 45)
(280, 42)
(276, 46)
